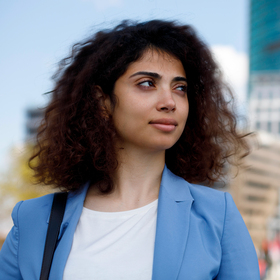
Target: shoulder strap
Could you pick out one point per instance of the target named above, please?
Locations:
(56, 217)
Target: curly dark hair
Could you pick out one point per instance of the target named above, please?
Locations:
(75, 141)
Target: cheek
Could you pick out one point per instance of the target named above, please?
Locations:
(126, 118)
(133, 108)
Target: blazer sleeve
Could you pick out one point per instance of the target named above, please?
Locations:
(239, 260)
(9, 268)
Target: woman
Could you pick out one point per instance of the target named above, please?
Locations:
(137, 111)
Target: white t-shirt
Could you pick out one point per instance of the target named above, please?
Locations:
(113, 245)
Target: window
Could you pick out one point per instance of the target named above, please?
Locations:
(257, 185)
(269, 126)
(255, 198)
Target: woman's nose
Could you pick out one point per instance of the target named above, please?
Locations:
(166, 101)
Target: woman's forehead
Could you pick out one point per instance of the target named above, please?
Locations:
(156, 60)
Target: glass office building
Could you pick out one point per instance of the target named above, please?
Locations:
(264, 78)
(265, 35)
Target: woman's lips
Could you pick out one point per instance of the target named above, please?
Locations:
(166, 125)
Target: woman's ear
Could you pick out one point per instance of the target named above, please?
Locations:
(104, 102)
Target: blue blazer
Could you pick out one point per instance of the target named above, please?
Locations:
(200, 235)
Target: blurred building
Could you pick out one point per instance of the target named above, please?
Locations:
(255, 190)
(264, 78)
(34, 117)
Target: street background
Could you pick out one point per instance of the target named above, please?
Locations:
(36, 35)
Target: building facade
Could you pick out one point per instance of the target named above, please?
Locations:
(264, 77)
(256, 188)
(34, 117)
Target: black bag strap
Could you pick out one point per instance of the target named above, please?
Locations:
(56, 217)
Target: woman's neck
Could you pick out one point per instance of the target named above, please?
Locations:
(138, 175)
(136, 182)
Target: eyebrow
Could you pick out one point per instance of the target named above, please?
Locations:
(157, 76)
(179, 79)
(151, 74)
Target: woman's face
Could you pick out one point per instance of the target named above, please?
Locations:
(152, 104)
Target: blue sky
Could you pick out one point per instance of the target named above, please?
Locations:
(36, 34)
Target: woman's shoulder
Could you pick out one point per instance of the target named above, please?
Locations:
(207, 195)
(214, 204)
(38, 209)
(217, 207)
(204, 198)
(219, 212)
(32, 208)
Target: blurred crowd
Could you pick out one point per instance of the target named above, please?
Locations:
(269, 259)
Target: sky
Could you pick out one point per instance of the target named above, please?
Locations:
(35, 35)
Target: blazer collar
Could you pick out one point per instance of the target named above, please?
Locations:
(174, 206)
(173, 218)
(75, 203)
(73, 210)
(172, 186)
(175, 187)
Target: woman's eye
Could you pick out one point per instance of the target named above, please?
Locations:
(146, 84)
(182, 88)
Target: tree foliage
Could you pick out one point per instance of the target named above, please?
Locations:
(16, 182)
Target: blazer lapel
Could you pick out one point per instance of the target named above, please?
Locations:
(71, 217)
(174, 207)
